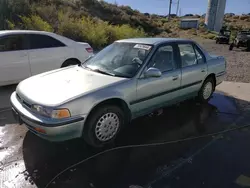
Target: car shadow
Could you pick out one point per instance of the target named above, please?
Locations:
(5, 93)
(135, 165)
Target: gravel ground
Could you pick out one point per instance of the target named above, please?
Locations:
(238, 60)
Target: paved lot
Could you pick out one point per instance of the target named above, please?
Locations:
(28, 161)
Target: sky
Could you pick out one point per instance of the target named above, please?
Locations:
(187, 6)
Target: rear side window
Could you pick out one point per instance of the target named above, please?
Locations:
(199, 55)
(11, 43)
(188, 55)
(43, 41)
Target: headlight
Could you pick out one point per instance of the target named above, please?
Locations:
(51, 113)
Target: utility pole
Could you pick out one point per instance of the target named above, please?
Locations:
(169, 13)
(177, 9)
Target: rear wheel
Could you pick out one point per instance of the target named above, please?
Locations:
(237, 45)
(103, 125)
(207, 90)
(231, 46)
(70, 62)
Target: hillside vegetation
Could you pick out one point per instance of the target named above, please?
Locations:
(98, 22)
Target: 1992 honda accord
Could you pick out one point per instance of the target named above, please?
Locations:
(127, 79)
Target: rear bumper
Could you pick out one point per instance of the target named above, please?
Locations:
(220, 78)
(47, 129)
(242, 43)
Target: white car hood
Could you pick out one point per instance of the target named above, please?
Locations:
(55, 87)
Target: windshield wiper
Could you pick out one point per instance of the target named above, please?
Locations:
(103, 72)
(99, 71)
(82, 64)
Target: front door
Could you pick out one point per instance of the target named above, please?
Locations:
(155, 92)
(194, 69)
(14, 60)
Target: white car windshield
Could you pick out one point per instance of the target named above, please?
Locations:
(119, 59)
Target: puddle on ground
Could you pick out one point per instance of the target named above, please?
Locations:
(124, 167)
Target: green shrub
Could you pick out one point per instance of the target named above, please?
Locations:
(10, 25)
(125, 31)
(35, 23)
(94, 31)
(69, 27)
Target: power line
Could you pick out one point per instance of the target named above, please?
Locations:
(169, 13)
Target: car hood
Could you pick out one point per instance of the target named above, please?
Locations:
(58, 86)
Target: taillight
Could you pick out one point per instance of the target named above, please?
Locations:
(89, 50)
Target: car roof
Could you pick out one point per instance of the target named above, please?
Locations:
(153, 41)
(22, 32)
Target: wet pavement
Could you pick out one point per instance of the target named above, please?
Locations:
(28, 161)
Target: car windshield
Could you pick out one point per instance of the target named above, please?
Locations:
(120, 59)
(244, 33)
(227, 33)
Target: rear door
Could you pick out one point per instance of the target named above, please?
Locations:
(14, 61)
(46, 53)
(156, 92)
(194, 68)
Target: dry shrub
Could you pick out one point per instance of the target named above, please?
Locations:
(245, 17)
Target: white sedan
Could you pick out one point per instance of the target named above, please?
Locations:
(27, 53)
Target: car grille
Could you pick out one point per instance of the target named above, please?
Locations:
(23, 102)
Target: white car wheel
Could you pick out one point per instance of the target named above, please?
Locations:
(107, 127)
(103, 125)
(207, 90)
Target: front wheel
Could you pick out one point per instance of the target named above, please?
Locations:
(206, 90)
(103, 125)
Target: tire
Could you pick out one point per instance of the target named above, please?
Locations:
(69, 63)
(231, 46)
(206, 90)
(115, 120)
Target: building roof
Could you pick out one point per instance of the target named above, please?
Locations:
(190, 19)
(152, 41)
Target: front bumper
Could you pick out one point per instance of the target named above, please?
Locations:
(52, 130)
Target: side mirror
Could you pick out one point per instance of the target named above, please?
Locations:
(152, 72)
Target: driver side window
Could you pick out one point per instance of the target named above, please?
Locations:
(163, 59)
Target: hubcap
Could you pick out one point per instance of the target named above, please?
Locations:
(207, 91)
(107, 126)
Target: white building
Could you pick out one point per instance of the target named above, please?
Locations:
(215, 14)
(188, 23)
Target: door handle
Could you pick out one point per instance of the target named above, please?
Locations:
(175, 77)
